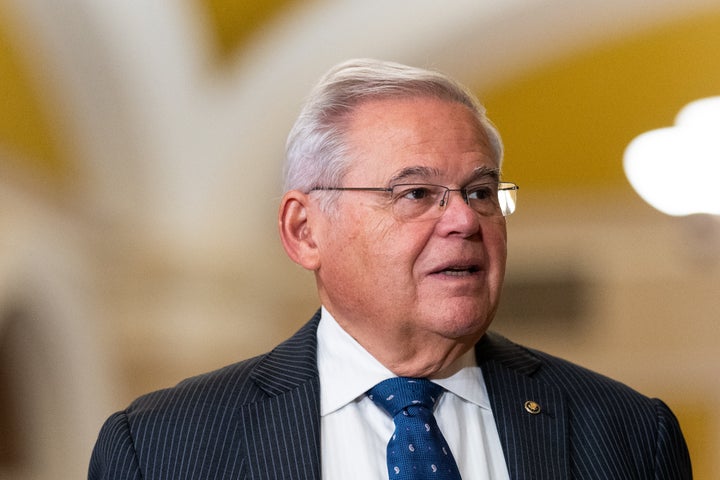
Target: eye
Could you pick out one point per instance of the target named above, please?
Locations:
(482, 192)
(413, 192)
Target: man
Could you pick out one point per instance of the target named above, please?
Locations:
(394, 200)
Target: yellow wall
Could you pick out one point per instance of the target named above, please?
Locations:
(566, 124)
(24, 125)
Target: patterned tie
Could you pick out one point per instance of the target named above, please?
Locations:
(417, 449)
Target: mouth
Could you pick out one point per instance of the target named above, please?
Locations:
(459, 270)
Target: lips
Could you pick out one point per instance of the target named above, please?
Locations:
(459, 270)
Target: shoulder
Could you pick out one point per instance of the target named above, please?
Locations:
(592, 400)
(589, 397)
(571, 378)
(289, 364)
(178, 422)
(226, 387)
(201, 419)
(606, 419)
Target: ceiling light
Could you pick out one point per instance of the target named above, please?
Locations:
(677, 169)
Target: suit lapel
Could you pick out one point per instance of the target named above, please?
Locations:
(282, 428)
(530, 415)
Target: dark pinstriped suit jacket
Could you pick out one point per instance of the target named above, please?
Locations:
(260, 419)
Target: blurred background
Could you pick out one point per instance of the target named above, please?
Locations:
(140, 156)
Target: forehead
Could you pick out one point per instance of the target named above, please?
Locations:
(432, 139)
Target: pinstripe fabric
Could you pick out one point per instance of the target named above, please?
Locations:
(589, 426)
(260, 419)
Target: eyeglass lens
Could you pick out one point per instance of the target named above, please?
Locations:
(424, 201)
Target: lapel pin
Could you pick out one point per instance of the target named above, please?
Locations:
(532, 407)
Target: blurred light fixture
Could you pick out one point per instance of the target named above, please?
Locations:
(677, 169)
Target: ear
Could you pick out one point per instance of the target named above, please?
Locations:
(295, 222)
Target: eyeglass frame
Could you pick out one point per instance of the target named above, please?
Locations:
(501, 186)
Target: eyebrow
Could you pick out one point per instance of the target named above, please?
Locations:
(480, 173)
(483, 172)
(415, 171)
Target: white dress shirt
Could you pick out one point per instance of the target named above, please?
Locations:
(355, 431)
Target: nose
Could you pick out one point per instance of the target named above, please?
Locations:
(457, 218)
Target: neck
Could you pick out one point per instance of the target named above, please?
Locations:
(418, 356)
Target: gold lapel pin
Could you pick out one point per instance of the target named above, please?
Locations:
(532, 407)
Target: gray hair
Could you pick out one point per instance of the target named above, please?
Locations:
(316, 151)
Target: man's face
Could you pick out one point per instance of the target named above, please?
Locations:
(424, 281)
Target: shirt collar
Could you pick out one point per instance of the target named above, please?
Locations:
(347, 370)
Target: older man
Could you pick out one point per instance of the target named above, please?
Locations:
(394, 200)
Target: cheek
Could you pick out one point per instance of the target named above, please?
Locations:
(494, 236)
(390, 253)
(496, 245)
(360, 248)
(402, 245)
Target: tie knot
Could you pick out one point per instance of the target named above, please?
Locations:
(395, 395)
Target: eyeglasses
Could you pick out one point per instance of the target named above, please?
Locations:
(415, 201)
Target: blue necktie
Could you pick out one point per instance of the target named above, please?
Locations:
(417, 450)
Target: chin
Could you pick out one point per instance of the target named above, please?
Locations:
(463, 323)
